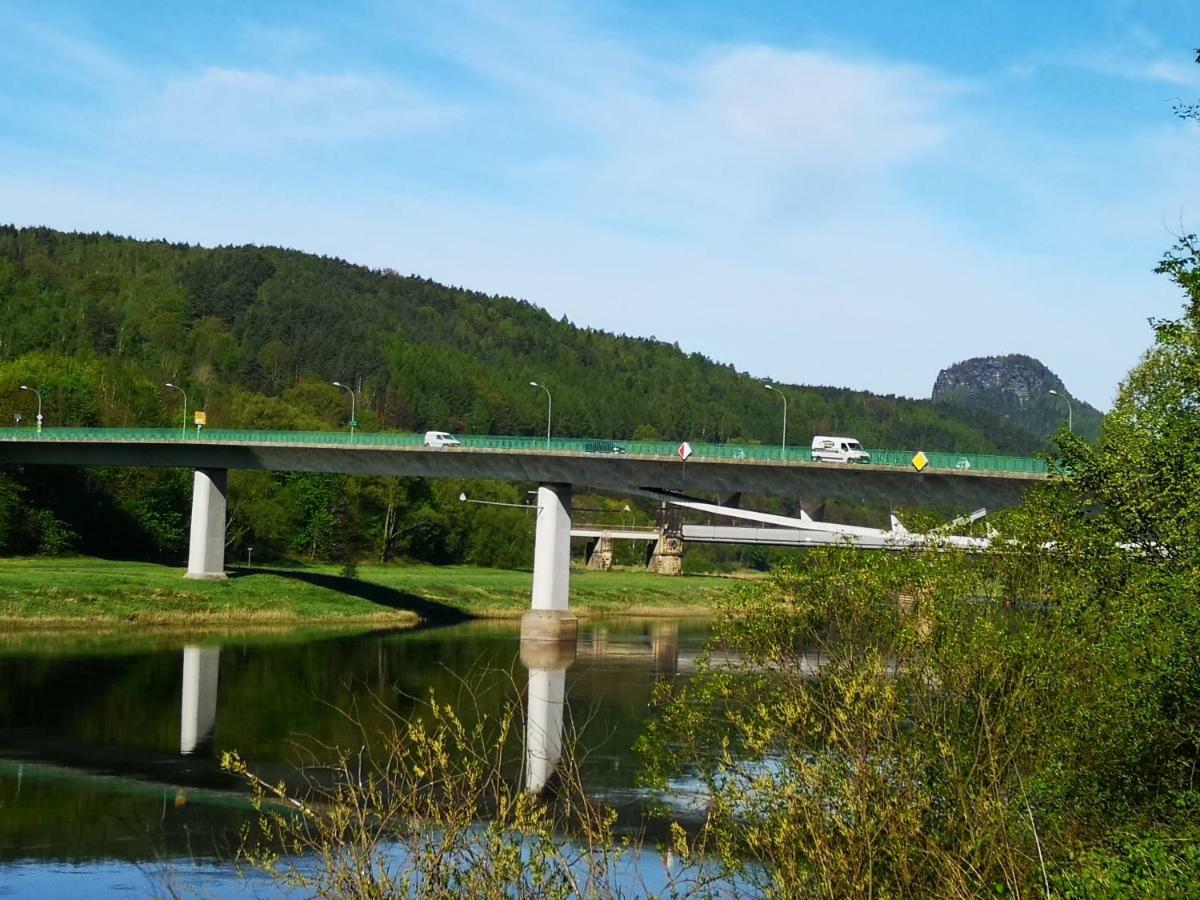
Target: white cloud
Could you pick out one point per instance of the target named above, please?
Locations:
(1156, 69)
(796, 109)
(261, 110)
(743, 135)
(70, 54)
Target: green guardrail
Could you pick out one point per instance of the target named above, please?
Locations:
(976, 462)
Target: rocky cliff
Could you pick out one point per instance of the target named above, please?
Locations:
(1020, 376)
(1017, 387)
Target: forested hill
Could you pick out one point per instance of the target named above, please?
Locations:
(255, 334)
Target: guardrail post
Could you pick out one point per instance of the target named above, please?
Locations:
(206, 553)
(551, 619)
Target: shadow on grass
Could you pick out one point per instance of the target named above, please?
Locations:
(431, 612)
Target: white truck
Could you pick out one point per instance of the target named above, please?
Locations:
(828, 448)
(439, 439)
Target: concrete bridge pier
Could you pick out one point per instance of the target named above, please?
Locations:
(206, 553)
(600, 554)
(198, 712)
(550, 620)
(666, 556)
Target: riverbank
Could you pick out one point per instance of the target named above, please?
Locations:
(83, 592)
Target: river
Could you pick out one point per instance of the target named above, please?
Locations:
(110, 781)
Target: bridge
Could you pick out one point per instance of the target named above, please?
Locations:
(557, 466)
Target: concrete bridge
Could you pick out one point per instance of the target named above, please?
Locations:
(557, 470)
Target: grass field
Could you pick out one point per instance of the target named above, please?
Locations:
(82, 591)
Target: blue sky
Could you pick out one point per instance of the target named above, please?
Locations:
(854, 194)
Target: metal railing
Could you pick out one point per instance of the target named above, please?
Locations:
(972, 462)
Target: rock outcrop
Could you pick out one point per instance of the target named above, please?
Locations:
(1017, 387)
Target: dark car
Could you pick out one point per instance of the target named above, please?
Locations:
(602, 447)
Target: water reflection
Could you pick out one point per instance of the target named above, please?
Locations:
(108, 750)
(547, 690)
(198, 709)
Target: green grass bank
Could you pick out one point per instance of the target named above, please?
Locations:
(88, 592)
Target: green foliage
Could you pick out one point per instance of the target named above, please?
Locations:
(1162, 863)
(945, 725)
(11, 509)
(434, 811)
(54, 537)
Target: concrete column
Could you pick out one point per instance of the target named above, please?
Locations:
(667, 558)
(551, 619)
(198, 714)
(547, 666)
(601, 557)
(552, 548)
(206, 555)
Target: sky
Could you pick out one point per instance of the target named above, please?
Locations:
(852, 194)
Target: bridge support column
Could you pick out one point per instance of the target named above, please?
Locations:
(550, 620)
(601, 557)
(667, 557)
(206, 553)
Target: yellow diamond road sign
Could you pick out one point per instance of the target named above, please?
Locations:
(920, 461)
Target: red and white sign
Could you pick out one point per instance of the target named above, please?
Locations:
(684, 450)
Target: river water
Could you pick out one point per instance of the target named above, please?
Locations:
(110, 782)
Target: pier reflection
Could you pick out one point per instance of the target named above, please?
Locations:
(198, 710)
(547, 665)
(125, 733)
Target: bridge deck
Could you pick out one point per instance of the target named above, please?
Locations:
(631, 472)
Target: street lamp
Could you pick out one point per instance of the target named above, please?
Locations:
(783, 442)
(549, 408)
(1070, 423)
(183, 430)
(35, 391)
(350, 391)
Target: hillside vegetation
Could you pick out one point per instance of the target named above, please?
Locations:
(256, 334)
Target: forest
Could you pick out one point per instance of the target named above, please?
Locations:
(256, 336)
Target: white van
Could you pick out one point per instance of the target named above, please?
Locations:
(439, 439)
(826, 448)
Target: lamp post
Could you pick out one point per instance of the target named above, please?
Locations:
(38, 394)
(349, 391)
(549, 408)
(183, 430)
(1070, 423)
(783, 442)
